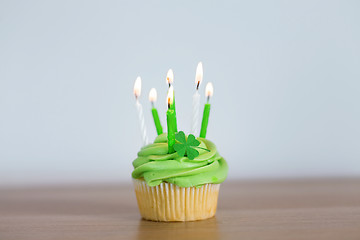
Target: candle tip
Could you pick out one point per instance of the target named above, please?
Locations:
(152, 95)
(170, 96)
(199, 75)
(170, 76)
(209, 90)
(137, 87)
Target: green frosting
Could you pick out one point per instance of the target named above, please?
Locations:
(156, 165)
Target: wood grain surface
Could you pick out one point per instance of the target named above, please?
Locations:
(277, 209)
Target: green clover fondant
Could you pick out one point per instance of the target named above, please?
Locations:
(186, 147)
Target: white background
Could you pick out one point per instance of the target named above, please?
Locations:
(286, 76)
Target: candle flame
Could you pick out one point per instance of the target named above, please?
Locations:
(170, 96)
(199, 74)
(209, 90)
(152, 95)
(170, 76)
(137, 87)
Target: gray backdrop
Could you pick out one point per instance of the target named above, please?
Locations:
(286, 77)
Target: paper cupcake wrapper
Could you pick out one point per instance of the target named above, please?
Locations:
(168, 202)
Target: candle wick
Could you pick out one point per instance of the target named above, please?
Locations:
(152, 104)
(208, 99)
(169, 84)
(197, 86)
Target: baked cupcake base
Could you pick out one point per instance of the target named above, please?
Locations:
(168, 202)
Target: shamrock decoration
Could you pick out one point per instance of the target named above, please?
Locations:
(187, 147)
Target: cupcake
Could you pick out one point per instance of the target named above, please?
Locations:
(178, 176)
(171, 187)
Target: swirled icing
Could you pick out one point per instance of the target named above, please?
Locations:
(155, 165)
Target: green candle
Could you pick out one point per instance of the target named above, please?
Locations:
(173, 108)
(171, 121)
(170, 116)
(152, 98)
(209, 90)
(205, 120)
(158, 126)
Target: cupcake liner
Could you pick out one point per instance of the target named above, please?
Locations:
(168, 202)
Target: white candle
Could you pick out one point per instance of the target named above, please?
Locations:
(137, 92)
(196, 100)
(195, 113)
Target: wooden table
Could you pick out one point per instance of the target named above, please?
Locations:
(297, 209)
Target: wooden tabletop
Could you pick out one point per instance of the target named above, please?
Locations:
(282, 209)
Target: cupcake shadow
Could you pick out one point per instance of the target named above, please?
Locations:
(203, 229)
